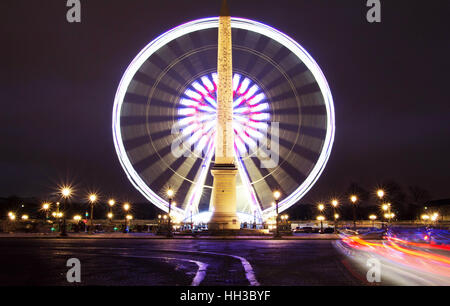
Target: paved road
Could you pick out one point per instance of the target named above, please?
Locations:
(175, 262)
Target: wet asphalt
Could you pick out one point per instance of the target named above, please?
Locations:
(133, 262)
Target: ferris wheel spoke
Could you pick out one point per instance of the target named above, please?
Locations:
(300, 150)
(195, 192)
(163, 64)
(266, 174)
(302, 90)
(246, 182)
(134, 98)
(189, 177)
(312, 131)
(294, 173)
(165, 178)
(305, 158)
(314, 110)
(263, 183)
(132, 120)
(133, 143)
(148, 82)
(143, 163)
(179, 52)
(315, 132)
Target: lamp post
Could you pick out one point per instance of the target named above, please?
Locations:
(380, 195)
(111, 203)
(129, 218)
(321, 207)
(92, 200)
(391, 215)
(434, 217)
(277, 195)
(126, 208)
(321, 218)
(373, 218)
(46, 208)
(354, 199)
(170, 194)
(12, 218)
(425, 218)
(66, 192)
(335, 203)
(385, 207)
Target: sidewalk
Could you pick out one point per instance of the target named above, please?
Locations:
(153, 236)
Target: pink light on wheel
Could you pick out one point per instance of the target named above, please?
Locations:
(198, 105)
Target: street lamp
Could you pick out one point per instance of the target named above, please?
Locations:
(276, 196)
(391, 215)
(126, 208)
(92, 200)
(46, 208)
(386, 207)
(111, 203)
(354, 199)
(335, 203)
(25, 217)
(66, 192)
(170, 194)
(321, 219)
(434, 217)
(373, 218)
(77, 218)
(380, 193)
(425, 218)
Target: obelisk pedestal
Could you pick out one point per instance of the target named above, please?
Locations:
(224, 198)
(224, 171)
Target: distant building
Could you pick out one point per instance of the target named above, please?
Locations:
(442, 207)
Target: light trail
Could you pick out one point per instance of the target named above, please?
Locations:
(403, 256)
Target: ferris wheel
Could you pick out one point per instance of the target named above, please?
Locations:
(164, 118)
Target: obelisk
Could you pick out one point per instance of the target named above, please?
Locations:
(224, 170)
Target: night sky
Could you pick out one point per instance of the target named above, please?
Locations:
(389, 83)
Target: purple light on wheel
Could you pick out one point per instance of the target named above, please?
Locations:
(198, 110)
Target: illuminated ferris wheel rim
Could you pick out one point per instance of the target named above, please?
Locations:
(209, 23)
